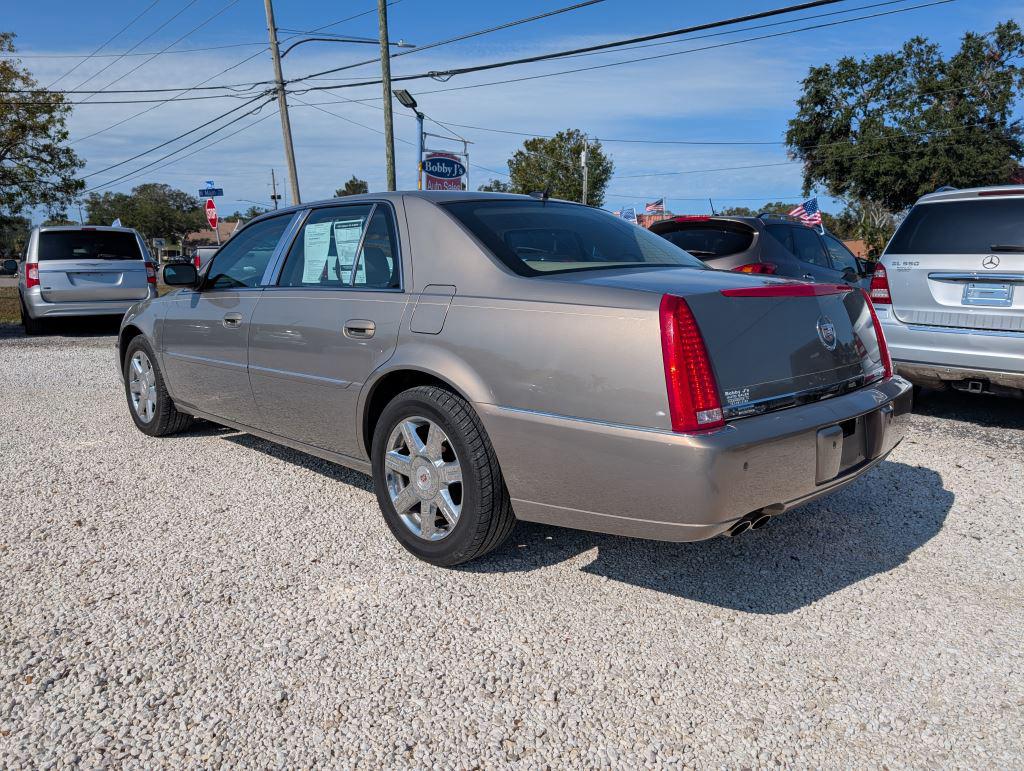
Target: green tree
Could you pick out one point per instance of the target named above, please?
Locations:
(354, 186)
(554, 164)
(154, 209)
(37, 168)
(843, 225)
(882, 131)
(497, 186)
(14, 233)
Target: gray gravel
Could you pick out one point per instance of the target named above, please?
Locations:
(213, 598)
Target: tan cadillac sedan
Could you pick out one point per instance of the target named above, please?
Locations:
(489, 358)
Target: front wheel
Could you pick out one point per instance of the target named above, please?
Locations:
(437, 478)
(149, 404)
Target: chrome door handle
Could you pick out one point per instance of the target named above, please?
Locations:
(359, 329)
(232, 320)
(807, 277)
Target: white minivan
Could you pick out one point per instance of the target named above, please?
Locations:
(949, 291)
(82, 270)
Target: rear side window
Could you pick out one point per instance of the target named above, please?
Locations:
(711, 241)
(976, 226)
(88, 245)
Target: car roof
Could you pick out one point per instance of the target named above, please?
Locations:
(435, 196)
(990, 191)
(48, 228)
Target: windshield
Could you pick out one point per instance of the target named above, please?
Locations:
(977, 226)
(88, 245)
(539, 237)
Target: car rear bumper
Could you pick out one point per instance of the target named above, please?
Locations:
(40, 308)
(933, 356)
(674, 487)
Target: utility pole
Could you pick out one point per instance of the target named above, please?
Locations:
(583, 161)
(273, 188)
(385, 75)
(282, 103)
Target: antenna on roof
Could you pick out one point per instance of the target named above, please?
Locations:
(541, 195)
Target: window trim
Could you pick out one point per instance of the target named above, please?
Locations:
(204, 289)
(276, 267)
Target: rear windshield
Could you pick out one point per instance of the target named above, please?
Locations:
(710, 240)
(88, 245)
(537, 237)
(977, 226)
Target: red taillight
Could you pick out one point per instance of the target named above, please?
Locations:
(692, 392)
(150, 273)
(691, 218)
(31, 275)
(768, 268)
(880, 286)
(883, 347)
(195, 260)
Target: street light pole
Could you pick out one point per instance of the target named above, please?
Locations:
(282, 104)
(385, 74)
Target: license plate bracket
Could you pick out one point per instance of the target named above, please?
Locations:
(988, 293)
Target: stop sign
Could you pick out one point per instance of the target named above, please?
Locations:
(211, 213)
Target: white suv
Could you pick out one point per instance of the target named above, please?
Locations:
(949, 291)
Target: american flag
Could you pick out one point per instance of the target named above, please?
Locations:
(655, 206)
(808, 212)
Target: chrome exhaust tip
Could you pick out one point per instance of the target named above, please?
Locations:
(740, 527)
(760, 522)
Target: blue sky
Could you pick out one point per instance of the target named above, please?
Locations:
(743, 92)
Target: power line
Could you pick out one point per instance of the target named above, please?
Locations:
(467, 36)
(175, 152)
(147, 37)
(125, 55)
(435, 74)
(175, 139)
(198, 27)
(104, 44)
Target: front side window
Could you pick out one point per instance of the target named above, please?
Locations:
(241, 262)
(842, 258)
(342, 247)
(88, 245)
(537, 237)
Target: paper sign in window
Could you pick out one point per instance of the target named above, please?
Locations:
(346, 240)
(316, 243)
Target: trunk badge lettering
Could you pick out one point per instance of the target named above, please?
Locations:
(990, 262)
(827, 333)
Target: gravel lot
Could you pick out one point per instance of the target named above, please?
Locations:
(212, 598)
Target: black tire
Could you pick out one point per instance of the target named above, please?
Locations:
(166, 419)
(486, 519)
(32, 326)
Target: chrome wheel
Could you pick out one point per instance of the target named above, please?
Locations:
(142, 386)
(424, 478)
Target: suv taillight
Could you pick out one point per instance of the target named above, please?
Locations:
(880, 286)
(768, 268)
(883, 347)
(692, 391)
(195, 260)
(150, 273)
(31, 274)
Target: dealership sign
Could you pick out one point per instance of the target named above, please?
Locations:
(443, 171)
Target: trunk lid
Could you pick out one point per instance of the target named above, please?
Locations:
(91, 265)
(798, 344)
(960, 263)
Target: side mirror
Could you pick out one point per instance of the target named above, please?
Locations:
(180, 274)
(9, 268)
(849, 274)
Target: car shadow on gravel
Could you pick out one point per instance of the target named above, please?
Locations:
(297, 457)
(982, 410)
(801, 557)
